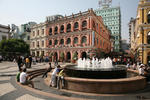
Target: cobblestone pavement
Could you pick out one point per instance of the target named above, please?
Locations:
(9, 90)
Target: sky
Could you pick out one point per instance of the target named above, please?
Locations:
(22, 11)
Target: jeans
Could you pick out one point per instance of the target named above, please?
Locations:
(60, 78)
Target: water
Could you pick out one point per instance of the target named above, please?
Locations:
(95, 63)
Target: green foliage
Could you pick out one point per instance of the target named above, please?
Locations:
(75, 56)
(62, 55)
(14, 46)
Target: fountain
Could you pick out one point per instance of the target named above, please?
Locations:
(100, 76)
(96, 69)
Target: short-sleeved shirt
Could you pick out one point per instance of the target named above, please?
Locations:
(141, 71)
(23, 77)
(56, 70)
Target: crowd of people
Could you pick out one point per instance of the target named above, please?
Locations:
(57, 77)
(57, 73)
(24, 78)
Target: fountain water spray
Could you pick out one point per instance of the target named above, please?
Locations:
(95, 63)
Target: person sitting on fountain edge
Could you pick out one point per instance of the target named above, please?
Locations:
(53, 77)
(60, 78)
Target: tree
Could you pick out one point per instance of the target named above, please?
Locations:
(62, 56)
(13, 47)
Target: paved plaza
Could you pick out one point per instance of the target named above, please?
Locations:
(10, 90)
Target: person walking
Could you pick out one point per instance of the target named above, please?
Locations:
(30, 61)
(19, 62)
(48, 70)
(27, 61)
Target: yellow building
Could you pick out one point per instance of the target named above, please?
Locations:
(142, 32)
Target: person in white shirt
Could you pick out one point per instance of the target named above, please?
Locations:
(24, 78)
(53, 77)
(141, 70)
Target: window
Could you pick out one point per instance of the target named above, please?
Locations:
(50, 42)
(148, 38)
(68, 41)
(33, 33)
(84, 39)
(56, 42)
(42, 31)
(56, 30)
(38, 44)
(50, 31)
(76, 25)
(42, 43)
(33, 44)
(62, 41)
(62, 29)
(69, 28)
(75, 40)
(38, 33)
(84, 24)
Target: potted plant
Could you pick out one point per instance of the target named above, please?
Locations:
(75, 57)
(62, 56)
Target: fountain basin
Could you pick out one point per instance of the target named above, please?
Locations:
(103, 86)
(96, 73)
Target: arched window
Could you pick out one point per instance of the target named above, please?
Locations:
(148, 17)
(69, 28)
(148, 38)
(50, 31)
(84, 24)
(62, 41)
(62, 29)
(56, 42)
(76, 26)
(56, 30)
(50, 42)
(84, 39)
(68, 41)
(75, 40)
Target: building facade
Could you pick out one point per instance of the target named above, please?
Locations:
(80, 35)
(132, 35)
(4, 32)
(142, 32)
(38, 40)
(112, 19)
(22, 32)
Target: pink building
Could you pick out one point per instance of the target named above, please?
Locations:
(77, 36)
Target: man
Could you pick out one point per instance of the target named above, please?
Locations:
(48, 70)
(24, 78)
(19, 62)
(53, 77)
(60, 78)
(30, 61)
